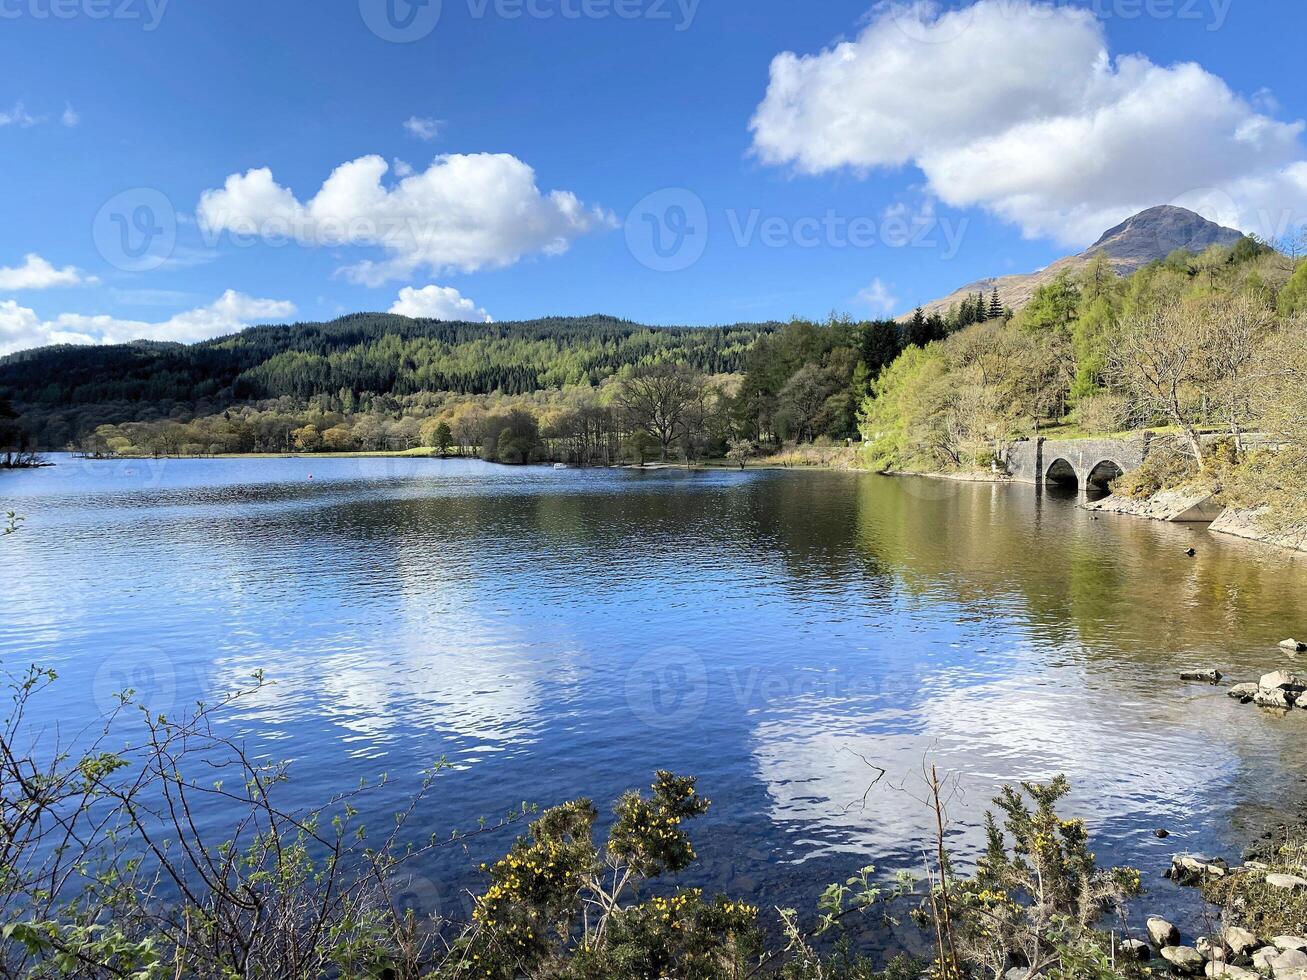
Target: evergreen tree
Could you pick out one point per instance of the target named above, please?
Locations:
(995, 306)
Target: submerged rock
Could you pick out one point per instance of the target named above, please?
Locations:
(1293, 646)
(1190, 869)
(1244, 692)
(1212, 676)
(1275, 699)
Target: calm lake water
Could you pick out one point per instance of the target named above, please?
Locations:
(564, 633)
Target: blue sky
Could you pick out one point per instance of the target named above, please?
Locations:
(668, 161)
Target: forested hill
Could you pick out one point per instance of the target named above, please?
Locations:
(65, 391)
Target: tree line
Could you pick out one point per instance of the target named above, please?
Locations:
(348, 366)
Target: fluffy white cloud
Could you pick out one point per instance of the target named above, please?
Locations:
(21, 328)
(37, 273)
(878, 297)
(438, 303)
(71, 117)
(1018, 106)
(465, 212)
(422, 128)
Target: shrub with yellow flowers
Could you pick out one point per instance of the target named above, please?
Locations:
(557, 906)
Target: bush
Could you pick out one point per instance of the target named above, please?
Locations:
(1166, 468)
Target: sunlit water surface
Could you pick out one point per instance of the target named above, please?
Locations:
(779, 634)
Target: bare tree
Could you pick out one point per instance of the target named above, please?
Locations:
(1234, 332)
(658, 400)
(1160, 362)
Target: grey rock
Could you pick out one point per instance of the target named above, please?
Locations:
(1190, 869)
(1293, 646)
(1238, 941)
(1184, 959)
(1136, 950)
(1244, 692)
(1262, 958)
(1210, 950)
(1230, 971)
(1163, 933)
(1284, 700)
(1017, 973)
(1289, 942)
(1283, 680)
(1290, 961)
(1211, 676)
(1288, 882)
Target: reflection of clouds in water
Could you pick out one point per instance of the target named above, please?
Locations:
(485, 694)
(1128, 762)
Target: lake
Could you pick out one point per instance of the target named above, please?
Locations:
(559, 633)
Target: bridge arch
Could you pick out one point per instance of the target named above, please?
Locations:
(1102, 475)
(1062, 473)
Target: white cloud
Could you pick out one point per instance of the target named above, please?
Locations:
(422, 128)
(1018, 107)
(18, 116)
(37, 273)
(465, 212)
(71, 117)
(21, 328)
(878, 297)
(438, 303)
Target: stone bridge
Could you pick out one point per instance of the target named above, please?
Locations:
(1081, 464)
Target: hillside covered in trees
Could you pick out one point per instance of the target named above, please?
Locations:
(65, 392)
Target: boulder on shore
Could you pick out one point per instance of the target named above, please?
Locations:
(1289, 942)
(1162, 933)
(1136, 950)
(1230, 972)
(1289, 962)
(1238, 941)
(1184, 959)
(1290, 883)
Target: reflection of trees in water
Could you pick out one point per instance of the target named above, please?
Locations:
(1117, 584)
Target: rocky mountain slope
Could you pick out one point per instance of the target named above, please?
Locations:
(1148, 236)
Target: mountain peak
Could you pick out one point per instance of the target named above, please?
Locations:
(1156, 233)
(1142, 238)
